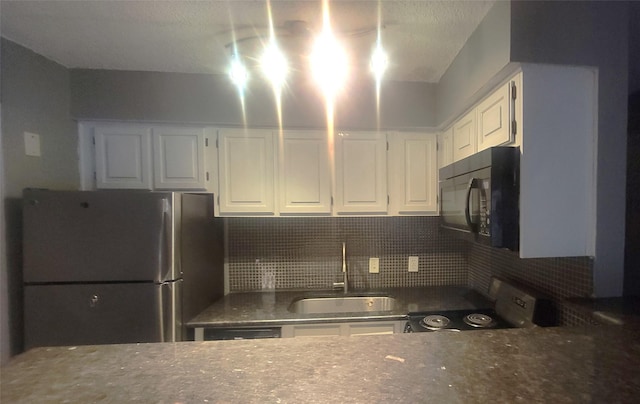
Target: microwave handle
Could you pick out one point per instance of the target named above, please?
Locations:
(473, 183)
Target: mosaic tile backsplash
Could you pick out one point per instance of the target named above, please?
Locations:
(558, 278)
(305, 253)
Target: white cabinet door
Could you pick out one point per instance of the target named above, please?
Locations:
(179, 158)
(413, 185)
(305, 176)
(246, 169)
(445, 151)
(361, 172)
(494, 116)
(123, 156)
(464, 136)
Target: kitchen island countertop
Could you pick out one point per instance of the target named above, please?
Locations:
(271, 308)
(559, 365)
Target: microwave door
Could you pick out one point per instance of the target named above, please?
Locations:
(460, 203)
(471, 207)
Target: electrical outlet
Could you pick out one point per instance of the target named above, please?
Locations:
(413, 264)
(374, 265)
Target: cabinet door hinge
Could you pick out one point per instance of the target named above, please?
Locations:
(514, 91)
(387, 146)
(207, 175)
(218, 200)
(206, 142)
(95, 176)
(93, 140)
(388, 200)
(216, 142)
(514, 127)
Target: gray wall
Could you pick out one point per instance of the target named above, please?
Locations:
(593, 34)
(5, 346)
(201, 98)
(634, 47)
(35, 98)
(484, 54)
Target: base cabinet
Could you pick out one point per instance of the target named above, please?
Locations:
(343, 329)
(349, 329)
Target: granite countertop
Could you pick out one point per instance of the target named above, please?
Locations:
(271, 308)
(610, 310)
(559, 365)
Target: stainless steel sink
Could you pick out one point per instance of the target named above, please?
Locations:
(341, 304)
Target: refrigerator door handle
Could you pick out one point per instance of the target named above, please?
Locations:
(170, 315)
(166, 249)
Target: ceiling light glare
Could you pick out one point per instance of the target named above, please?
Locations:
(329, 64)
(379, 62)
(274, 65)
(238, 73)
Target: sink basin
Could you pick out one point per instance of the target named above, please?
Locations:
(341, 304)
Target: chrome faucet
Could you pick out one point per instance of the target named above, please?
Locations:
(345, 282)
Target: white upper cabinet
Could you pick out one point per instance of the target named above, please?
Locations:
(445, 151)
(122, 157)
(413, 183)
(492, 122)
(304, 173)
(495, 115)
(179, 158)
(464, 136)
(138, 156)
(246, 171)
(361, 172)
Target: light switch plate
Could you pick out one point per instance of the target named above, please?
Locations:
(374, 265)
(32, 144)
(413, 264)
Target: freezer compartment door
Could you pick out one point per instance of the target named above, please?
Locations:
(99, 236)
(101, 314)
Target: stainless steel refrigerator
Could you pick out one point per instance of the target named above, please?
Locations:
(105, 267)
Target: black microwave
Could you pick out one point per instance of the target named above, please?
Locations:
(479, 197)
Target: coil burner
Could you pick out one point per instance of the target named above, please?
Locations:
(435, 322)
(479, 320)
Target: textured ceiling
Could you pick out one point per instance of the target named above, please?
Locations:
(421, 37)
